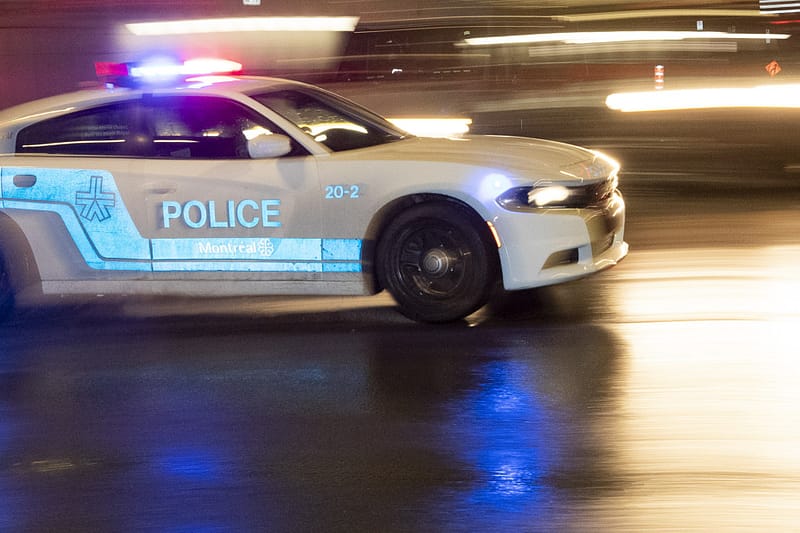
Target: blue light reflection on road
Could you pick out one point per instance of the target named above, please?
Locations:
(190, 469)
(497, 429)
(6, 434)
(6, 500)
(188, 464)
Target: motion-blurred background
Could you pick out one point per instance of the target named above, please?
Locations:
(540, 68)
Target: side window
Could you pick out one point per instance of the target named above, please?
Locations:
(204, 127)
(327, 123)
(103, 131)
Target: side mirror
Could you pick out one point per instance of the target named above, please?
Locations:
(268, 146)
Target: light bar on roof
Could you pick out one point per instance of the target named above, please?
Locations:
(246, 24)
(160, 70)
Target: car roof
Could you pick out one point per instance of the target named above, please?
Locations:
(227, 86)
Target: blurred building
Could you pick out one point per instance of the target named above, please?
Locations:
(50, 46)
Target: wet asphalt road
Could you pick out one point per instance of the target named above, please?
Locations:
(660, 395)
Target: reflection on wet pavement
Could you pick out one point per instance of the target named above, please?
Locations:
(705, 428)
(659, 395)
(713, 284)
(705, 415)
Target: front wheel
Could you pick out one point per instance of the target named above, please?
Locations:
(438, 262)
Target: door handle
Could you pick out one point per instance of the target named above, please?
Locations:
(161, 188)
(24, 180)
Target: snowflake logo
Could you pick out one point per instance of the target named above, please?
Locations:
(95, 203)
(266, 247)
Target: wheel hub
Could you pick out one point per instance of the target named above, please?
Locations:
(436, 262)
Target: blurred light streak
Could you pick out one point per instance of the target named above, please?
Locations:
(617, 37)
(243, 24)
(38, 115)
(388, 21)
(389, 57)
(658, 13)
(785, 96)
(559, 50)
(778, 6)
(433, 127)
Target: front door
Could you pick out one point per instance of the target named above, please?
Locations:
(208, 208)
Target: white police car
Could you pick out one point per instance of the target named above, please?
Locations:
(257, 186)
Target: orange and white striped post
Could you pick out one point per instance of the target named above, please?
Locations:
(658, 76)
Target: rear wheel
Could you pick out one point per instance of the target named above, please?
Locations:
(438, 262)
(6, 291)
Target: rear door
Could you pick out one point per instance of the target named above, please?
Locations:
(68, 179)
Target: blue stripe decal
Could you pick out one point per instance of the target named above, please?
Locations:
(89, 204)
(257, 255)
(254, 266)
(83, 241)
(229, 266)
(238, 249)
(341, 267)
(223, 266)
(91, 207)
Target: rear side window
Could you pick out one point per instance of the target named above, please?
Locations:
(106, 131)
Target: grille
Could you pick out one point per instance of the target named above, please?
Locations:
(603, 227)
(592, 195)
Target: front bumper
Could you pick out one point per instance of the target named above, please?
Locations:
(549, 246)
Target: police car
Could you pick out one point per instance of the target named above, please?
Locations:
(220, 185)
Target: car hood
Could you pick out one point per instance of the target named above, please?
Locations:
(518, 156)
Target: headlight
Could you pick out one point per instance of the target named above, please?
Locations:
(544, 196)
(591, 183)
(557, 196)
(527, 198)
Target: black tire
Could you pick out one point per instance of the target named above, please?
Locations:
(438, 262)
(6, 291)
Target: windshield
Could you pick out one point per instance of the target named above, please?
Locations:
(331, 120)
